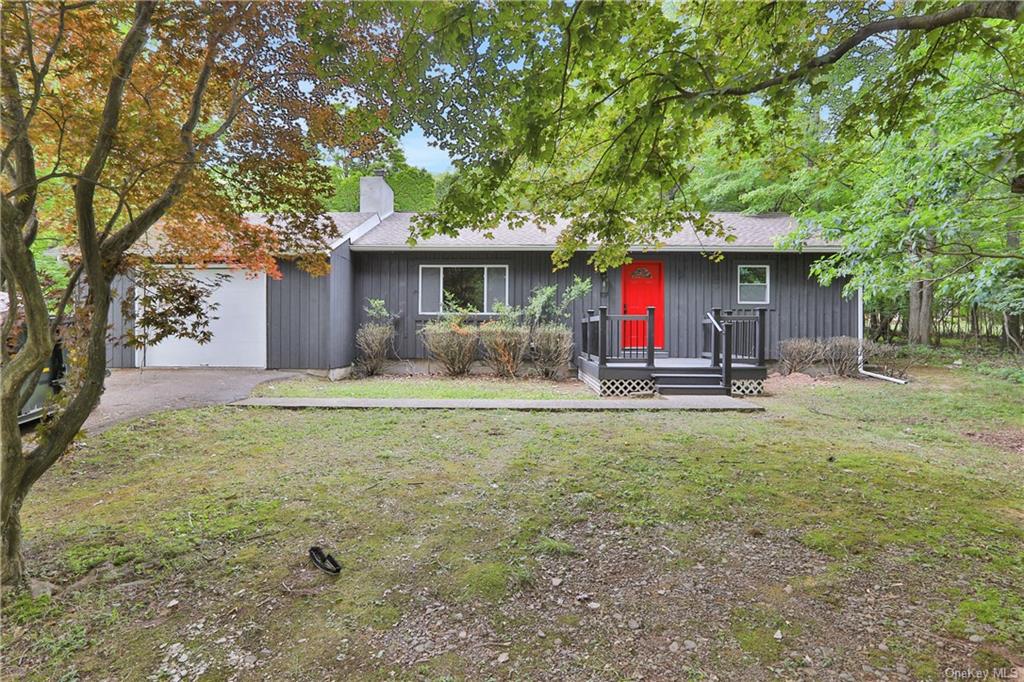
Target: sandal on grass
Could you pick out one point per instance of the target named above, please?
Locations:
(325, 562)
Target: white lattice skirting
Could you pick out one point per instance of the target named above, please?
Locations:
(618, 387)
(747, 386)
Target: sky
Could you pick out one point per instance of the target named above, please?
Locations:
(421, 153)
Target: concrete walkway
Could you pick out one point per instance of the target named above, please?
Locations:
(695, 403)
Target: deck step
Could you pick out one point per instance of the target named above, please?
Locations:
(686, 378)
(690, 389)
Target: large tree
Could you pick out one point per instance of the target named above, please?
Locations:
(595, 110)
(117, 117)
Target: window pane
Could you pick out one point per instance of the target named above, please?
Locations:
(495, 288)
(753, 293)
(753, 274)
(430, 290)
(464, 287)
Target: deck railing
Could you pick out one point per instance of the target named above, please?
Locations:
(609, 339)
(749, 333)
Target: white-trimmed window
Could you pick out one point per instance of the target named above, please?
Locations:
(752, 284)
(476, 287)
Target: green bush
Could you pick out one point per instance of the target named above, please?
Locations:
(375, 338)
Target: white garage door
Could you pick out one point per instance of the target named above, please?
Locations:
(239, 332)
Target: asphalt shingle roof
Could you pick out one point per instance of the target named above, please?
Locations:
(751, 231)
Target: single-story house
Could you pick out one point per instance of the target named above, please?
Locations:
(760, 294)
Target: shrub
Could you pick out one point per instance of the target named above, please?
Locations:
(504, 346)
(546, 308)
(796, 355)
(375, 337)
(552, 349)
(841, 355)
(453, 342)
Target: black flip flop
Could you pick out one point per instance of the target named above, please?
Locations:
(325, 562)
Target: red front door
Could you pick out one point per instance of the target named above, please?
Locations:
(643, 284)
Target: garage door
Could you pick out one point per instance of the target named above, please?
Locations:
(239, 332)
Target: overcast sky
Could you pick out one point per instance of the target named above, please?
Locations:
(420, 153)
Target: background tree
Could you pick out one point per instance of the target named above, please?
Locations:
(117, 117)
(595, 111)
(413, 187)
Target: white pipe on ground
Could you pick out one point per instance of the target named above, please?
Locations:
(860, 344)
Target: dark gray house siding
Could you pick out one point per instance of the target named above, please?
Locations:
(798, 305)
(309, 319)
(298, 319)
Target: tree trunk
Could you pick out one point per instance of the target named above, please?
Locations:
(13, 564)
(1012, 323)
(919, 324)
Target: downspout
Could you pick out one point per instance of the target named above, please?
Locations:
(860, 344)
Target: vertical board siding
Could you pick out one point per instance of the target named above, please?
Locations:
(118, 355)
(298, 310)
(798, 305)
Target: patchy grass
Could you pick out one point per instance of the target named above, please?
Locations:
(427, 387)
(580, 546)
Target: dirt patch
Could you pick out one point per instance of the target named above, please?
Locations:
(1011, 440)
(779, 383)
(661, 604)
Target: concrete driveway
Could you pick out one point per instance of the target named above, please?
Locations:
(132, 393)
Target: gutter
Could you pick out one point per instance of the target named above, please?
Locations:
(860, 344)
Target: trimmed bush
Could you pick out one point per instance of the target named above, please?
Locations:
(797, 355)
(552, 350)
(375, 338)
(841, 355)
(504, 346)
(452, 342)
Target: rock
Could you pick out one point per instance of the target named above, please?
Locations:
(901, 669)
(462, 634)
(541, 634)
(633, 624)
(38, 588)
(593, 605)
(882, 646)
(171, 604)
(673, 647)
(977, 639)
(690, 645)
(788, 589)
(778, 634)
(555, 582)
(502, 657)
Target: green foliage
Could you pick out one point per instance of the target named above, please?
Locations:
(545, 306)
(600, 112)
(413, 187)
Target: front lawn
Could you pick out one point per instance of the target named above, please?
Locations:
(853, 528)
(423, 386)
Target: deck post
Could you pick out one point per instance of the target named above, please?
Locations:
(762, 315)
(602, 336)
(585, 335)
(715, 341)
(727, 360)
(650, 336)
